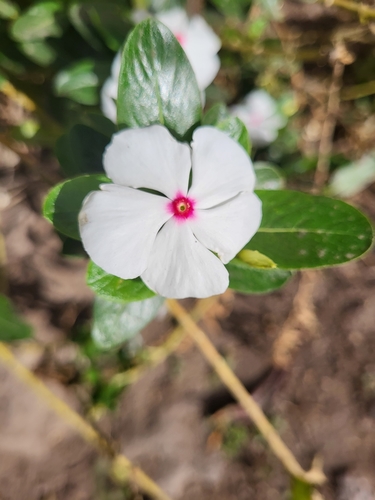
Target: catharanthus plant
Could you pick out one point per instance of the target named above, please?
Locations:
(199, 42)
(259, 113)
(175, 213)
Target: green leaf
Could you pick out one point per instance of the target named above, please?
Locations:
(118, 322)
(111, 20)
(114, 288)
(157, 83)
(353, 178)
(299, 230)
(100, 123)
(78, 17)
(236, 130)
(8, 9)
(39, 52)
(232, 8)
(79, 82)
(268, 176)
(37, 22)
(63, 203)
(247, 279)
(218, 113)
(11, 327)
(80, 151)
(218, 116)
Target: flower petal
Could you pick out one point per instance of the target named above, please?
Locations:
(180, 266)
(201, 47)
(118, 226)
(201, 35)
(205, 66)
(221, 168)
(148, 158)
(108, 95)
(176, 20)
(226, 228)
(260, 102)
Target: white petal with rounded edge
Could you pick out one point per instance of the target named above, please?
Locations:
(107, 96)
(180, 266)
(201, 47)
(262, 136)
(201, 35)
(227, 228)
(221, 168)
(260, 101)
(118, 226)
(175, 19)
(148, 158)
(116, 66)
(205, 66)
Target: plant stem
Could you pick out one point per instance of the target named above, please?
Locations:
(123, 469)
(328, 129)
(313, 476)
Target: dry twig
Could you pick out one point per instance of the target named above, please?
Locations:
(313, 476)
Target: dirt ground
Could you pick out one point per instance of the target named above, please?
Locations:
(168, 422)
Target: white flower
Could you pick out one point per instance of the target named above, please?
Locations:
(108, 93)
(170, 239)
(261, 117)
(199, 42)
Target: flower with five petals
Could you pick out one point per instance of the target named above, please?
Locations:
(175, 213)
(259, 113)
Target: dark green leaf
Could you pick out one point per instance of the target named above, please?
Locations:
(99, 123)
(218, 116)
(79, 82)
(118, 322)
(268, 176)
(80, 151)
(157, 83)
(110, 20)
(63, 203)
(114, 288)
(37, 22)
(78, 18)
(299, 230)
(247, 279)
(11, 327)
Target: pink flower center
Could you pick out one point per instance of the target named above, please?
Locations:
(181, 207)
(181, 38)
